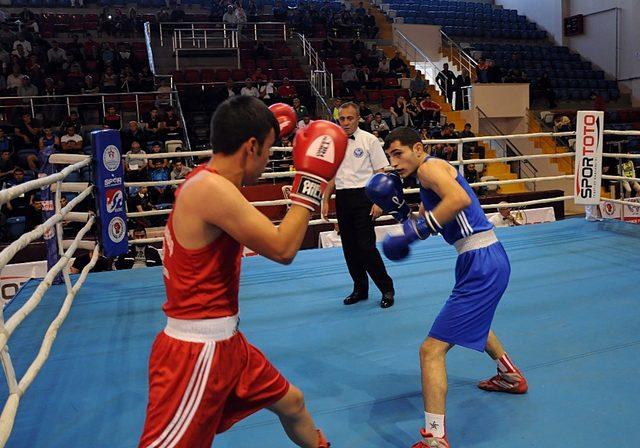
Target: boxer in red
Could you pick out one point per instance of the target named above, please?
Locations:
(203, 374)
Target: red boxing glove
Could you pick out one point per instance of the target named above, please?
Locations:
(318, 151)
(286, 116)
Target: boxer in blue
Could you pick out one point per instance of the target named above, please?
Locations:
(448, 207)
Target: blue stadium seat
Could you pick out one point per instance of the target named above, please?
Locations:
(16, 226)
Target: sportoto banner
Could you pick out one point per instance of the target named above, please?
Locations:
(589, 142)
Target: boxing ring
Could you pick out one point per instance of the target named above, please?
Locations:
(570, 317)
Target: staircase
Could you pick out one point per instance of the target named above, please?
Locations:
(548, 145)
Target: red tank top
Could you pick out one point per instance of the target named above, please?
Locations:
(200, 283)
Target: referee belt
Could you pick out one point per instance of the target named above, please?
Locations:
(202, 330)
(476, 241)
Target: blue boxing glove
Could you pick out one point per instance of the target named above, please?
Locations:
(396, 247)
(385, 190)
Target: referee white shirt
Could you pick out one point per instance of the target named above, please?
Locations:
(363, 157)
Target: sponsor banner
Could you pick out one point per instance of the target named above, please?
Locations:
(589, 142)
(109, 175)
(631, 213)
(610, 210)
(48, 210)
(14, 275)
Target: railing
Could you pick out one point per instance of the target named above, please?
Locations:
(320, 78)
(44, 105)
(459, 56)
(253, 30)
(425, 65)
(525, 167)
(198, 40)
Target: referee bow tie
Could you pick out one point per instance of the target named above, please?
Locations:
(352, 137)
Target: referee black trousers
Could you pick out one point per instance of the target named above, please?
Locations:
(359, 241)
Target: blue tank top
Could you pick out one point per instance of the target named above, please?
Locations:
(48, 141)
(469, 221)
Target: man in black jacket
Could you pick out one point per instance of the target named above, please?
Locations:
(139, 255)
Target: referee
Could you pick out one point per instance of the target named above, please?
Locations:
(356, 214)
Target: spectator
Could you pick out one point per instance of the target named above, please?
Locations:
(431, 111)
(135, 170)
(414, 112)
(469, 148)
(398, 67)
(366, 115)
(156, 148)
(306, 121)
(133, 133)
(461, 89)
(24, 43)
(249, 89)
(379, 125)
(260, 51)
(72, 120)
(494, 71)
(102, 264)
(26, 90)
(301, 109)
(112, 119)
(7, 164)
(27, 130)
(14, 80)
(268, 91)
(399, 115)
(179, 170)
(627, 169)
(229, 90)
(23, 205)
(152, 124)
(71, 142)
(350, 79)
(89, 87)
(418, 86)
(503, 218)
(229, 17)
(48, 139)
(56, 56)
(160, 194)
(172, 126)
(337, 102)
(482, 71)
(446, 80)
(287, 91)
(258, 76)
(384, 67)
(139, 255)
(109, 83)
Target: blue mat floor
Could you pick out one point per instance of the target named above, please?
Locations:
(570, 319)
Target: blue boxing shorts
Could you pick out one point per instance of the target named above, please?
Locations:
(482, 276)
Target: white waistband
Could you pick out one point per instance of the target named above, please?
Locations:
(202, 330)
(475, 241)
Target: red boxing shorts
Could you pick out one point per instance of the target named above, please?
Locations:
(198, 389)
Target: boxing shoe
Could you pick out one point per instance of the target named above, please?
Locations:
(511, 383)
(355, 297)
(322, 442)
(429, 441)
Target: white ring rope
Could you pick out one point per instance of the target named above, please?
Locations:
(7, 418)
(623, 202)
(617, 155)
(11, 250)
(622, 178)
(10, 193)
(23, 312)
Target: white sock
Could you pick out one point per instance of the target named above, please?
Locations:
(434, 424)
